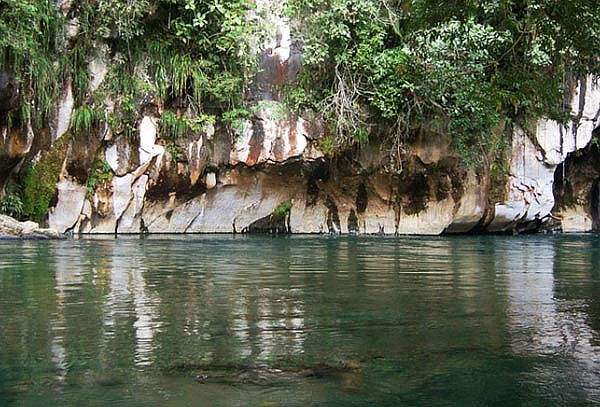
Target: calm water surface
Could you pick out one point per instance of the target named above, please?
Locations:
(300, 321)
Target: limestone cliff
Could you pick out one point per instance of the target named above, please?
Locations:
(273, 173)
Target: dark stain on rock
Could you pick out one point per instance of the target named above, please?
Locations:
(277, 222)
(273, 224)
(421, 183)
(6, 166)
(488, 216)
(595, 204)
(413, 193)
(256, 142)
(78, 171)
(171, 182)
(312, 192)
(353, 222)
(443, 186)
(85, 148)
(333, 217)
(320, 173)
(9, 94)
(362, 198)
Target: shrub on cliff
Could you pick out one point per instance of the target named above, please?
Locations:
(462, 67)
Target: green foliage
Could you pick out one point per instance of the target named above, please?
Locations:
(191, 53)
(83, 118)
(100, 175)
(326, 145)
(121, 20)
(401, 65)
(283, 209)
(235, 119)
(174, 127)
(176, 151)
(270, 110)
(29, 31)
(39, 183)
(12, 204)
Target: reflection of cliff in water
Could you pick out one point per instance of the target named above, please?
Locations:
(363, 316)
(544, 319)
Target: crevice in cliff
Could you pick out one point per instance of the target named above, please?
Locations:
(362, 198)
(320, 172)
(333, 217)
(595, 204)
(577, 186)
(277, 222)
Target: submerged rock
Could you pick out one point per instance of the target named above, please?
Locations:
(258, 375)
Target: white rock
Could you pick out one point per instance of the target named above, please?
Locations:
(432, 221)
(71, 197)
(98, 69)
(130, 220)
(12, 227)
(65, 111)
(73, 26)
(29, 227)
(147, 133)
(210, 180)
(576, 220)
(112, 157)
(241, 146)
(194, 151)
(122, 194)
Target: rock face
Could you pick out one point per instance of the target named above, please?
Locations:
(431, 196)
(577, 190)
(215, 181)
(9, 93)
(14, 144)
(65, 111)
(70, 203)
(13, 229)
(536, 157)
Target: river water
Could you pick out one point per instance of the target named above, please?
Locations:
(300, 321)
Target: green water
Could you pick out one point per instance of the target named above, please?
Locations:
(300, 321)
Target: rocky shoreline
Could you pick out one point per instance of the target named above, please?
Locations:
(12, 229)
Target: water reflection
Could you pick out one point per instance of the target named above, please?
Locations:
(545, 319)
(533, 314)
(68, 278)
(394, 321)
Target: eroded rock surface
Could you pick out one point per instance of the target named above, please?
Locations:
(535, 158)
(355, 194)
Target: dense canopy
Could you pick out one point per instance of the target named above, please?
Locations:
(472, 64)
